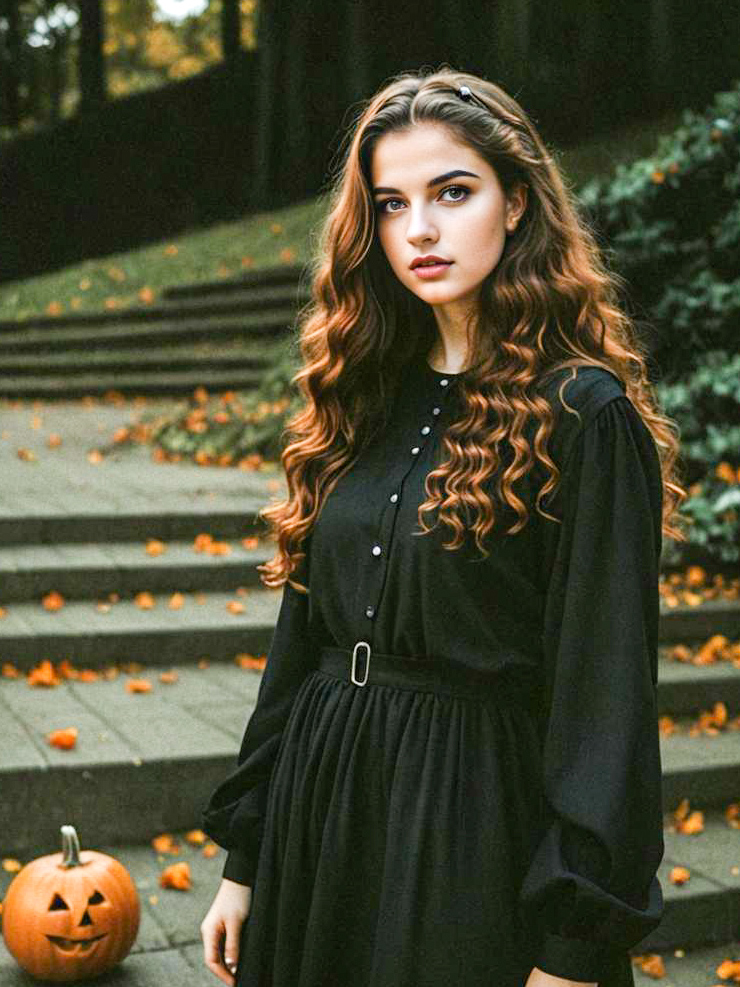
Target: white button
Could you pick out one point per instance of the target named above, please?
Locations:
(414, 450)
(377, 549)
(444, 382)
(394, 498)
(425, 430)
(436, 411)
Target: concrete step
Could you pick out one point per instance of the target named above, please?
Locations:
(256, 354)
(685, 687)
(249, 300)
(29, 572)
(58, 516)
(702, 915)
(205, 625)
(687, 623)
(143, 763)
(99, 331)
(143, 382)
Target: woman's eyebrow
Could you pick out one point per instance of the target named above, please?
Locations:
(433, 182)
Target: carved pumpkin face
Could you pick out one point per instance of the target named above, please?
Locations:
(74, 922)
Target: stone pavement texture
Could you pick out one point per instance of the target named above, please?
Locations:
(127, 478)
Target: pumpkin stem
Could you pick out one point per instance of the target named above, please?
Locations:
(70, 847)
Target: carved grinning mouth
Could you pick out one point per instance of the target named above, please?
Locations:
(75, 945)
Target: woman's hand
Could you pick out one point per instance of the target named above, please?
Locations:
(538, 978)
(224, 920)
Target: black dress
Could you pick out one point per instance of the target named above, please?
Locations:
(491, 800)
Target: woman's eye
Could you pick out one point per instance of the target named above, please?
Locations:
(383, 206)
(457, 188)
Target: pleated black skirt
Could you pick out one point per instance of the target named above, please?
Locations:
(400, 820)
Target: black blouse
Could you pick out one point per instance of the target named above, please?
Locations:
(575, 604)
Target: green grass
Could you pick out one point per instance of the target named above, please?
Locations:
(137, 276)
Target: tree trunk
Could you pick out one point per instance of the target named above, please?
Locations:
(230, 29)
(92, 64)
(11, 66)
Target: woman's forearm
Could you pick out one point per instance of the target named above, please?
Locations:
(538, 978)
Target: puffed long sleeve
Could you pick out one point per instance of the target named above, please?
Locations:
(591, 892)
(234, 814)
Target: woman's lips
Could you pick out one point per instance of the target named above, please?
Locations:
(430, 270)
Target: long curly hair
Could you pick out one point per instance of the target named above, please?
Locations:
(550, 303)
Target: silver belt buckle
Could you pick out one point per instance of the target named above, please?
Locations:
(354, 663)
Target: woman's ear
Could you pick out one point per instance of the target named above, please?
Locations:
(516, 205)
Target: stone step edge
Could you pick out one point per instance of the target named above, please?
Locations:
(250, 324)
(123, 568)
(100, 525)
(170, 306)
(259, 355)
(275, 274)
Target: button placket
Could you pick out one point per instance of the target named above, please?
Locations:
(387, 523)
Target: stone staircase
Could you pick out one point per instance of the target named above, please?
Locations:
(221, 335)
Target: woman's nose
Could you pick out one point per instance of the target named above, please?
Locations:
(420, 226)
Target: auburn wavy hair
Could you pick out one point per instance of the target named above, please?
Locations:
(550, 303)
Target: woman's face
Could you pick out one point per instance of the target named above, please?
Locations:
(421, 208)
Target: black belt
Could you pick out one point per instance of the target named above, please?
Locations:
(362, 666)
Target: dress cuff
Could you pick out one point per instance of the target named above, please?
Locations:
(576, 959)
(239, 867)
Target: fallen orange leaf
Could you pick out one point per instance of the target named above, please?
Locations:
(66, 669)
(176, 876)
(196, 837)
(250, 661)
(165, 843)
(168, 677)
(138, 685)
(11, 865)
(220, 548)
(144, 600)
(155, 547)
(680, 875)
(234, 606)
(64, 739)
(43, 674)
(53, 601)
(176, 601)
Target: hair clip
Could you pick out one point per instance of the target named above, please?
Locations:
(465, 92)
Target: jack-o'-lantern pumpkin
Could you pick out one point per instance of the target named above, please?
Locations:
(71, 915)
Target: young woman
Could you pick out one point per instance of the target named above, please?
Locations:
(452, 774)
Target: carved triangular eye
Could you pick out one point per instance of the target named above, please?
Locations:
(57, 903)
(95, 898)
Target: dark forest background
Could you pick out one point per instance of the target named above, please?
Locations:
(117, 127)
